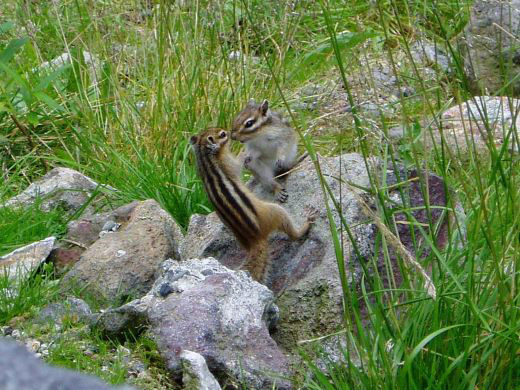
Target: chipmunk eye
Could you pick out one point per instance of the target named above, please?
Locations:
(250, 123)
(222, 134)
(211, 139)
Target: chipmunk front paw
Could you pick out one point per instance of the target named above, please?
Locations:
(311, 214)
(282, 195)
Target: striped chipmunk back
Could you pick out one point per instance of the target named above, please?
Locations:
(222, 184)
(250, 219)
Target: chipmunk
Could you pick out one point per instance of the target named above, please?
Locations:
(270, 145)
(250, 219)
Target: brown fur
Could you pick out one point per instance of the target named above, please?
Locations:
(251, 219)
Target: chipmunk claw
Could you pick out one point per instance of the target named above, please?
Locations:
(247, 161)
(282, 196)
(311, 214)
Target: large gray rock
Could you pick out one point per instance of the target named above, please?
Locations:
(304, 274)
(490, 45)
(223, 315)
(482, 120)
(21, 370)
(124, 263)
(63, 187)
(427, 53)
(22, 261)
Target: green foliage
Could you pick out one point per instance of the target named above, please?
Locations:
(19, 227)
(20, 296)
(105, 364)
(468, 336)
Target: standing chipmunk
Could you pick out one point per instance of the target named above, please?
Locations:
(250, 219)
(270, 145)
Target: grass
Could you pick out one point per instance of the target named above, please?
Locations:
(468, 336)
(23, 226)
(82, 350)
(167, 71)
(19, 297)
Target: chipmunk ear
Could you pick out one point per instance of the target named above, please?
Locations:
(194, 140)
(264, 107)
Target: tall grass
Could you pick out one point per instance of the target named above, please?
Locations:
(468, 337)
(127, 121)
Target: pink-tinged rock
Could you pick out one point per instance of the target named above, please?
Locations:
(223, 315)
(124, 262)
(304, 274)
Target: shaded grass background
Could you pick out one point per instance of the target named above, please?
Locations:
(168, 70)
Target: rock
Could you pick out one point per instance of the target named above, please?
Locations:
(124, 354)
(135, 368)
(89, 62)
(110, 226)
(87, 230)
(195, 373)
(22, 261)
(124, 263)
(371, 110)
(126, 320)
(6, 330)
(490, 46)
(20, 369)
(33, 345)
(472, 124)
(238, 56)
(429, 54)
(83, 232)
(396, 132)
(72, 309)
(63, 187)
(304, 273)
(217, 313)
(313, 95)
(64, 258)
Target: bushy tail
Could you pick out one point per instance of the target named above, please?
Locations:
(259, 261)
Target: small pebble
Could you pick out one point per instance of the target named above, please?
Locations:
(6, 330)
(33, 345)
(109, 226)
(16, 334)
(207, 272)
(165, 290)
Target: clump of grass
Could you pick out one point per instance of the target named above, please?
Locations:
(21, 226)
(20, 296)
(468, 335)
